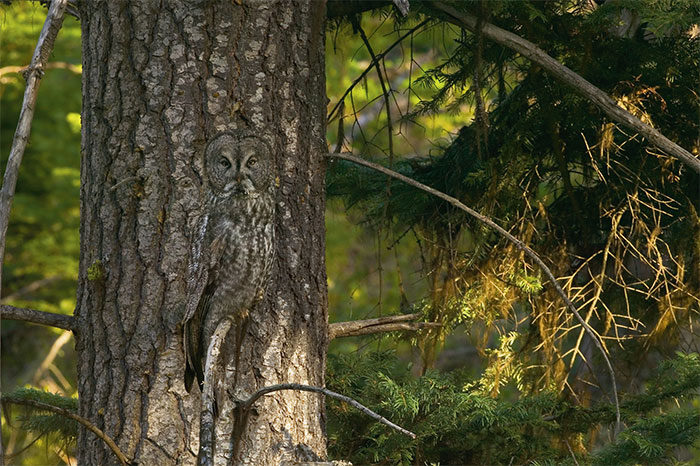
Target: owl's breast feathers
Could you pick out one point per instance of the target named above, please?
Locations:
(237, 255)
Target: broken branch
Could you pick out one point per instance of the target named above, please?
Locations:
(379, 325)
(37, 317)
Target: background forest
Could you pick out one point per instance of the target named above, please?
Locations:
(508, 377)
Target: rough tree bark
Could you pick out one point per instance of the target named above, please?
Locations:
(159, 80)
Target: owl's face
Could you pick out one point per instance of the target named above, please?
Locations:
(238, 165)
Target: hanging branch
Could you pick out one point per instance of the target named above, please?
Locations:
(244, 405)
(37, 317)
(33, 75)
(71, 415)
(371, 65)
(379, 325)
(385, 92)
(595, 95)
(519, 244)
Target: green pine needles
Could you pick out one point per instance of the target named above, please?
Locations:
(457, 422)
(32, 409)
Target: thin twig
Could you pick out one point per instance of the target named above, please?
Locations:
(372, 64)
(572, 452)
(385, 92)
(37, 317)
(33, 75)
(71, 415)
(14, 454)
(51, 356)
(246, 404)
(595, 95)
(519, 244)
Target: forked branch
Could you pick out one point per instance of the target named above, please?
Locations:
(519, 244)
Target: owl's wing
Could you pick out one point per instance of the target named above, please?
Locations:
(201, 288)
(193, 339)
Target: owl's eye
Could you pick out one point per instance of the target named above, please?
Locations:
(252, 161)
(225, 163)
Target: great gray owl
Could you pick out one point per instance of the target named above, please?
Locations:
(232, 255)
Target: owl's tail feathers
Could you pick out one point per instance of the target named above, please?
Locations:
(189, 377)
(192, 371)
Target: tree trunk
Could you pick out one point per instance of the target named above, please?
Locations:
(160, 79)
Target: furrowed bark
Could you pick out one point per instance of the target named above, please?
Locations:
(159, 80)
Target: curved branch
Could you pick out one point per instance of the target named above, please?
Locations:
(379, 325)
(37, 317)
(71, 415)
(246, 404)
(578, 83)
(515, 241)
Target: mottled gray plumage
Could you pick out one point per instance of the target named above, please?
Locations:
(233, 252)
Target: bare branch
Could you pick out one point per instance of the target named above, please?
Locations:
(371, 65)
(515, 241)
(598, 97)
(385, 92)
(37, 317)
(71, 415)
(33, 75)
(246, 404)
(379, 325)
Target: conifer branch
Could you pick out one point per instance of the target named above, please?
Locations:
(379, 325)
(37, 317)
(70, 415)
(576, 81)
(246, 404)
(597, 340)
